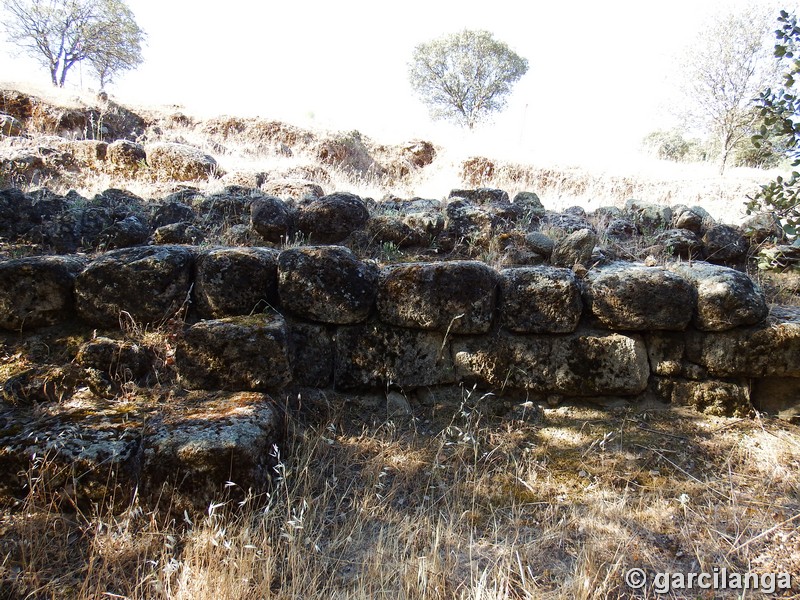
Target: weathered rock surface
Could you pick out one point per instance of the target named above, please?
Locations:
(373, 355)
(179, 162)
(178, 233)
(540, 300)
(481, 196)
(200, 445)
(88, 449)
(150, 284)
(779, 396)
(458, 296)
(100, 451)
(649, 217)
(119, 359)
(298, 190)
(575, 249)
(724, 244)
(635, 297)
(125, 157)
(311, 350)
(332, 218)
(762, 227)
(271, 218)
(235, 354)
(680, 242)
(327, 284)
(770, 349)
(529, 203)
(726, 298)
(385, 228)
(584, 363)
(235, 281)
(718, 398)
(37, 291)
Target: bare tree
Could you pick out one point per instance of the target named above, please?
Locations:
(724, 71)
(61, 33)
(465, 76)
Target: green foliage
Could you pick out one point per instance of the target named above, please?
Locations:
(466, 76)
(673, 145)
(723, 70)
(780, 110)
(121, 49)
(61, 33)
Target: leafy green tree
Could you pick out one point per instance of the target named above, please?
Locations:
(122, 47)
(466, 76)
(723, 71)
(61, 33)
(673, 145)
(780, 111)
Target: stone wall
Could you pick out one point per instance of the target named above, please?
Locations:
(260, 320)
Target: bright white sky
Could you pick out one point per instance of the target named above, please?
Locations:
(599, 77)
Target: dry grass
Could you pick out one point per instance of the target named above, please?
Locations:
(452, 504)
(246, 147)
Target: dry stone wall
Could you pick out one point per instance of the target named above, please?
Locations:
(259, 320)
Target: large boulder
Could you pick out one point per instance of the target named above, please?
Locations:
(271, 218)
(539, 300)
(332, 218)
(10, 126)
(125, 157)
(679, 242)
(373, 355)
(237, 354)
(37, 290)
(327, 284)
(78, 227)
(770, 349)
(147, 284)
(120, 360)
(178, 233)
(92, 449)
(648, 216)
(635, 297)
(575, 249)
(235, 281)
(16, 213)
(100, 452)
(199, 445)
(726, 298)
(724, 244)
(311, 349)
(179, 162)
(296, 190)
(91, 153)
(778, 396)
(396, 230)
(585, 363)
(711, 397)
(456, 296)
(172, 211)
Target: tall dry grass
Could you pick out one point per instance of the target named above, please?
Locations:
(452, 504)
